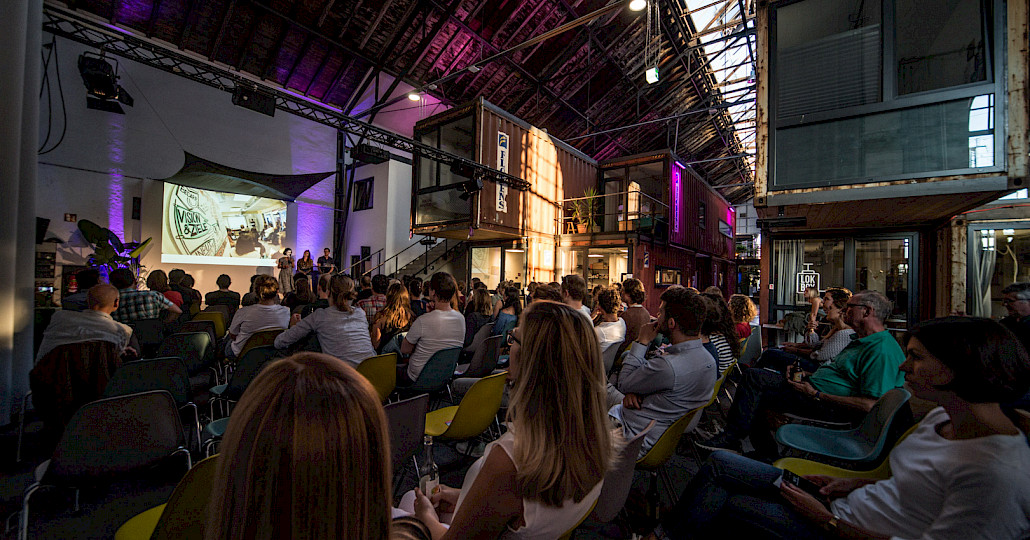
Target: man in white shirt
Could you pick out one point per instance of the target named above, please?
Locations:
(441, 328)
(93, 324)
(573, 291)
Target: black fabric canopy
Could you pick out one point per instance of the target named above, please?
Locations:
(200, 173)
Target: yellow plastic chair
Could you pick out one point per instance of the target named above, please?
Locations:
(570, 532)
(381, 371)
(802, 467)
(183, 516)
(471, 417)
(260, 339)
(217, 318)
(663, 448)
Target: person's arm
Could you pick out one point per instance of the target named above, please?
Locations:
(644, 376)
(853, 402)
(172, 311)
(377, 333)
(813, 510)
(296, 332)
(237, 323)
(411, 338)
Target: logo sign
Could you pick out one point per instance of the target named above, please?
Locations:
(807, 278)
(676, 199)
(502, 165)
(195, 222)
(647, 259)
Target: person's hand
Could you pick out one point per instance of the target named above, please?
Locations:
(805, 387)
(789, 347)
(631, 401)
(805, 504)
(647, 333)
(833, 487)
(445, 499)
(811, 325)
(129, 351)
(294, 319)
(424, 510)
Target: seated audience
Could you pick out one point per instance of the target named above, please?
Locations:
(323, 296)
(251, 297)
(508, 315)
(393, 319)
(157, 280)
(743, 311)
(264, 315)
(962, 473)
(635, 315)
(175, 277)
(718, 328)
(544, 475)
(816, 350)
(223, 296)
(93, 324)
(1016, 300)
(85, 280)
(441, 328)
(340, 328)
(418, 304)
(611, 328)
(366, 288)
(188, 283)
(477, 314)
(306, 454)
(546, 291)
(135, 305)
(377, 300)
(715, 290)
(665, 387)
(574, 292)
(842, 390)
(301, 295)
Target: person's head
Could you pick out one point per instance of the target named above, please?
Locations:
(512, 299)
(557, 405)
(479, 285)
(323, 285)
(366, 282)
(442, 287)
(176, 275)
(573, 288)
(122, 278)
(380, 283)
(302, 288)
(546, 291)
(608, 300)
(87, 278)
(681, 311)
(326, 252)
(838, 296)
(223, 281)
(742, 309)
(714, 290)
(102, 297)
(481, 302)
(415, 288)
(306, 454)
(157, 280)
(633, 291)
(266, 288)
(253, 282)
(397, 312)
(866, 310)
(719, 321)
(1016, 299)
(188, 281)
(461, 288)
(307, 254)
(287, 252)
(341, 292)
(975, 359)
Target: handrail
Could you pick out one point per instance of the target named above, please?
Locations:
(351, 267)
(394, 256)
(658, 209)
(446, 250)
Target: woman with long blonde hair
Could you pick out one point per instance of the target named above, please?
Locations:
(393, 319)
(542, 476)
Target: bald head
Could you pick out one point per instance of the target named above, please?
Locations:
(102, 297)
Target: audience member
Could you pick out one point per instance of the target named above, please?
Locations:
(544, 475)
(1016, 300)
(157, 281)
(636, 315)
(175, 277)
(508, 315)
(306, 454)
(664, 387)
(223, 296)
(418, 304)
(842, 390)
(462, 300)
(718, 328)
(301, 295)
(135, 305)
(377, 300)
(188, 283)
(715, 290)
(341, 329)
(85, 280)
(93, 324)
(322, 301)
(546, 291)
(251, 297)
(573, 292)
(366, 288)
(962, 473)
(264, 315)
(611, 329)
(815, 350)
(477, 315)
(441, 328)
(743, 311)
(393, 319)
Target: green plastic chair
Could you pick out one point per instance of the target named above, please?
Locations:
(194, 348)
(183, 516)
(804, 467)
(435, 374)
(652, 461)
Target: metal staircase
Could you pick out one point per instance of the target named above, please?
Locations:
(426, 263)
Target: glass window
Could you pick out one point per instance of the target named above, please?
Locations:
(486, 265)
(824, 257)
(725, 229)
(999, 257)
(883, 266)
(606, 266)
(440, 206)
(702, 214)
(363, 191)
(939, 44)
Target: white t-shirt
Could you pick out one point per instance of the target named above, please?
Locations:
(254, 318)
(432, 332)
(945, 489)
(610, 332)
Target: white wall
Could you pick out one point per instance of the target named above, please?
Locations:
(106, 159)
(387, 223)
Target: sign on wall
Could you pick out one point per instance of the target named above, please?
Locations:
(807, 278)
(502, 165)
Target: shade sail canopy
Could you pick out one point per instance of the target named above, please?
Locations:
(200, 173)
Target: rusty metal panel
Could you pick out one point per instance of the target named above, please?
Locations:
(762, 104)
(1018, 102)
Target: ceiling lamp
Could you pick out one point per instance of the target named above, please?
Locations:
(415, 96)
(652, 42)
(651, 75)
(101, 79)
(637, 5)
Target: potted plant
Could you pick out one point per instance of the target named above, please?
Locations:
(109, 252)
(583, 210)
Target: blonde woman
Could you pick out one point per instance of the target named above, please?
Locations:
(341, 329)
(542, 476)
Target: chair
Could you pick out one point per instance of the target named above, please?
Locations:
(381, 371)
(248, 367)
(194, 348)
(151, 333)
(218, 318)
(200, 326)
(479, 338)
(484, 359)
(182, 517)
(435, 374)
(167, 373)
(608, 356)
(194, 308)
(619, 479)
(806, 466)
(260, 338)
(109, 436)
(859, 446)
(752, 347)
(407, 422)
(471, 417)
(652, 461)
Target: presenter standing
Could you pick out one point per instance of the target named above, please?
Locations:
(286, 271)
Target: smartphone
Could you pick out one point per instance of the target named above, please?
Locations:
(806, 485)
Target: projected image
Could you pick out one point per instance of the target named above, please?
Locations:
(210, 227)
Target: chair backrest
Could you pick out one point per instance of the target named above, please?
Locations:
(484, 360)
(194, 348)
(194, 308)
(168, 373)
(608, 355)
(619, 479)
(478, 407)
(150, 332)
(247, 367)
(394, 344)
(752, 348)
(216, 317)
(479, 338)
(381, 371)
(69, 377)
(260, 339)
(407, 419)
(220, 308)
(117, 434)
(202, 325)
(666, 444)
(719, 382)
(438, 371)
(876, 426)
(185, 513)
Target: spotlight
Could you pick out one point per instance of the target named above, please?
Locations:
(637, 5)
(651, 75)
(415, 96)
(474, 69)
(101, 80)
(470, 187)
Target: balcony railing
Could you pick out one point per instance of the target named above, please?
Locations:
(625, 211)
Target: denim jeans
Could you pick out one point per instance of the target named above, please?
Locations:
(734, 497)
(779, 359)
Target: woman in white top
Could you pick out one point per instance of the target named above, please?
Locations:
(540, 478)
(611, 328)
(264, 315)
(963, 473)
(342, 330)
(815, 350)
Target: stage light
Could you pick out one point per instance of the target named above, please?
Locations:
(415, 96)
(468, 188)
(651, 75)
(101, 80)
(474, 69)
(637, 5)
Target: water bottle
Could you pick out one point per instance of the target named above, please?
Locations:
(428, 472)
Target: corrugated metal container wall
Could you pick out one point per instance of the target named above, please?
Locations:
(708, 238)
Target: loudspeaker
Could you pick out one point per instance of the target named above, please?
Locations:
(137, 207)
(41, 227)
(254, 100)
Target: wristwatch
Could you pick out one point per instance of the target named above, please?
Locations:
(834, 523)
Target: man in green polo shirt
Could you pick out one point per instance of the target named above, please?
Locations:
(845, 388)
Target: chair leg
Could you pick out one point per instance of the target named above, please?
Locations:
(23, 528)
(196, 421)
(653, 501)
(21, 425)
